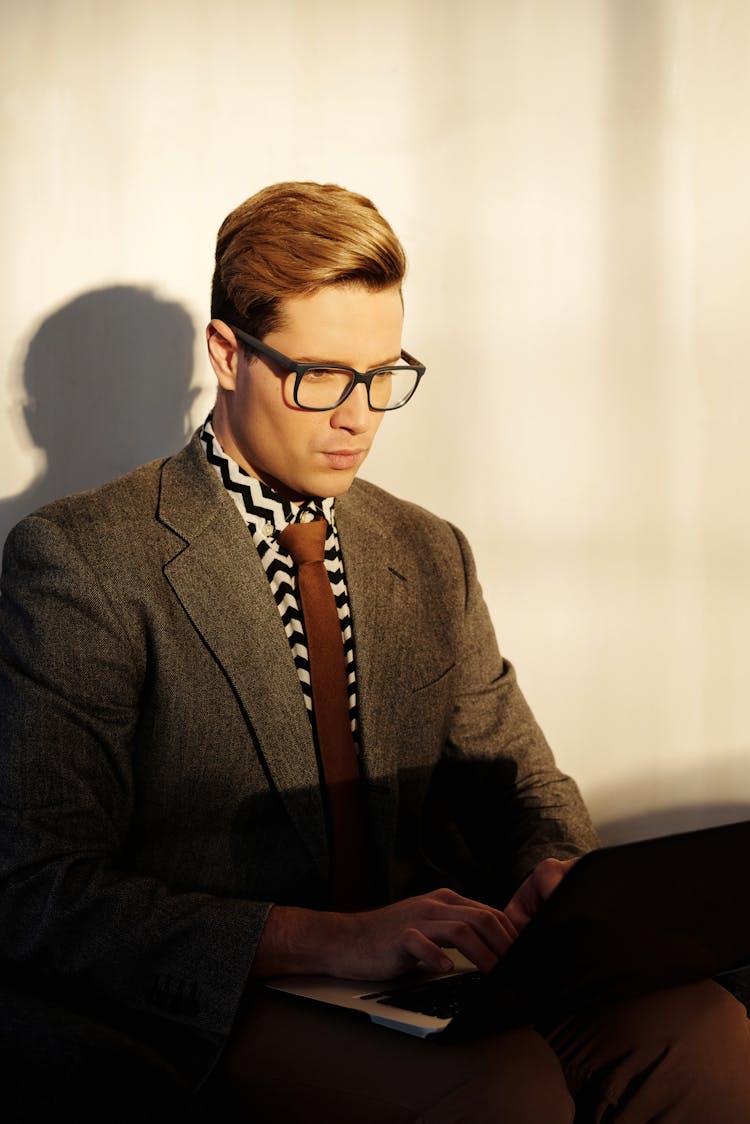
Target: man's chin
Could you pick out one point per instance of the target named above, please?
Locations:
(339, 483)
(320, 486)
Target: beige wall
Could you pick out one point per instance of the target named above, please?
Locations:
(570, 178)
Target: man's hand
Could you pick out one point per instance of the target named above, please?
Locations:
(536, 889)
(381, 943)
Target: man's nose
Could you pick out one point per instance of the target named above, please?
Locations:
(354, 412)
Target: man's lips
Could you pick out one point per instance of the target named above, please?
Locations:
(343, 458)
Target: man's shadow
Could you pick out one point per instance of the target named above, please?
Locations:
(105, 385)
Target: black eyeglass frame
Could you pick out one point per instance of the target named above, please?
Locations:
(364, 377)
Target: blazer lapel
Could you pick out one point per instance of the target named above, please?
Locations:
(382, 607)
(220, 582)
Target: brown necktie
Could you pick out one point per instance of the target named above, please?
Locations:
(305, 542)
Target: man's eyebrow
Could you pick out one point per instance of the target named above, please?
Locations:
(340, 362)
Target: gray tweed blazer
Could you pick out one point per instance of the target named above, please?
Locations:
(158, 779)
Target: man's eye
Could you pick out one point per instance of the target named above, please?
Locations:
(322, 374)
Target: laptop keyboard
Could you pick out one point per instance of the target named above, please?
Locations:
(442, 998)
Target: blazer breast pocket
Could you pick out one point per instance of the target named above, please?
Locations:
(434, 677)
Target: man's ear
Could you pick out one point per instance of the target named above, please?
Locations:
(223, 352)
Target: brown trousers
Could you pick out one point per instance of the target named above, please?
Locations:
(679, 1056)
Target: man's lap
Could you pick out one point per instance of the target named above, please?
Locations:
(293, 1061)
(674, 1051)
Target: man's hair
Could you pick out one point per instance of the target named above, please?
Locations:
(290, 240)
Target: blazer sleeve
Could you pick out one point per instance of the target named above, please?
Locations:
(499, 803)
(69, 904)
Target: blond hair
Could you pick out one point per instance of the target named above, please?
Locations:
(290, 240)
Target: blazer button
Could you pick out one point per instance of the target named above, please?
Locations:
(173, 995)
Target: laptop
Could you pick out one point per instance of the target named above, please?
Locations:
(625, 920)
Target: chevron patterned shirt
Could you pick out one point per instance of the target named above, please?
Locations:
(266, 515)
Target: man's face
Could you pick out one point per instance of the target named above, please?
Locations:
(296, 452)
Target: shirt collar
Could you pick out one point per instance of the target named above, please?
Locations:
(265, 511)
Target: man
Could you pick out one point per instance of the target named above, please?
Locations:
(173, 829)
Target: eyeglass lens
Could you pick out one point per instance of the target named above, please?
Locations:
(321, 388)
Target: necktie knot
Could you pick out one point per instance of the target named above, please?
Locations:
(305, 542)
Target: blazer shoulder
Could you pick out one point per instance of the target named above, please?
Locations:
(118, 495)
(123, 517)
(378, 502)
(400, 518)
(133, 500)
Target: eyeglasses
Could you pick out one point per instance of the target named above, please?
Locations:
(324, 386)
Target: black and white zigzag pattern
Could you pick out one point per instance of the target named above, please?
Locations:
(266, 515)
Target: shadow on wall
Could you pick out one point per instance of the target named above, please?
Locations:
(671, 799)
(106, 386)
(666, 821)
